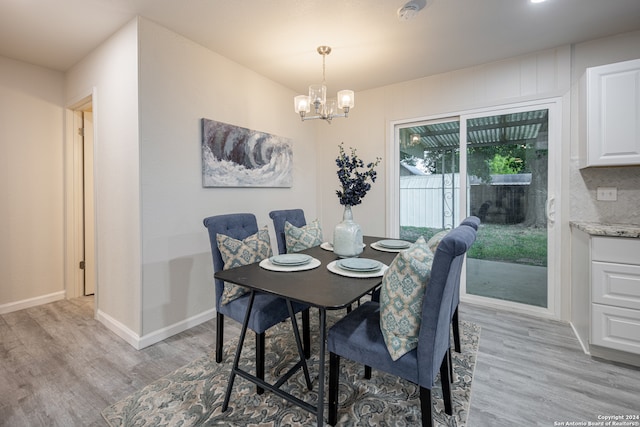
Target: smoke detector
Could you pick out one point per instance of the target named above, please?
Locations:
(411, 9)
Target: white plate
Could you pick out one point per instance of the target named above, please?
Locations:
(377, 247)
(268, 265)
(328, 246)
(394, 244)
(290, 259)
(332, 267)
(363, 265)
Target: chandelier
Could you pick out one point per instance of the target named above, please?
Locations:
(325, 109)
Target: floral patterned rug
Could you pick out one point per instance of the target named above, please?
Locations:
(193, 394)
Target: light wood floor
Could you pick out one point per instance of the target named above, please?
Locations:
(60, 367)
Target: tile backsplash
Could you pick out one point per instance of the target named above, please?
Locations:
(583, 203)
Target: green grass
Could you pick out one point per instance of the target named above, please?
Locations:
(496, 242)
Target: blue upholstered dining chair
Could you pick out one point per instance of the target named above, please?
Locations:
(293, 216)
(473, 222)
(358, 336)
(267, 310)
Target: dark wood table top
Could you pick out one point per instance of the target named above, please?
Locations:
(317, 287)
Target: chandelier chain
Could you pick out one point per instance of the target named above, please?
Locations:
(324, 51)
(324, 80)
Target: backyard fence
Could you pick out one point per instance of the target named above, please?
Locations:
(430, 200)
(433, 200)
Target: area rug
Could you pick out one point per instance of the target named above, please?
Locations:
(193, 394)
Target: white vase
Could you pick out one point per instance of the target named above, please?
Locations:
(347, 236)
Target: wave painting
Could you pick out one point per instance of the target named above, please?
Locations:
(233, 156)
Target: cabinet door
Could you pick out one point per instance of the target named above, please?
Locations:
(615, 327)
(613, 114)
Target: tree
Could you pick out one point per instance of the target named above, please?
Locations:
(537, 162)
(505, 165)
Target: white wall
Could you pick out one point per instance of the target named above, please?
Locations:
(181, 82)
(111, 73)
(31, 189)
(584, 206)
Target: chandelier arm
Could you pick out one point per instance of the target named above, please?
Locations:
(322, 117)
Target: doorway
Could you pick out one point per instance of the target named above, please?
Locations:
(493, 164)
(81, 256)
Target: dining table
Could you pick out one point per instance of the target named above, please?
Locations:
(319, 284)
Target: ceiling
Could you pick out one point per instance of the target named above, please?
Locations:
(278, 38)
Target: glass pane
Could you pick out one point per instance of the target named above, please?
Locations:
(507, 163)
(429, 178)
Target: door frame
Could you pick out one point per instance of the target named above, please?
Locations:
(554, 211)
(75, 219)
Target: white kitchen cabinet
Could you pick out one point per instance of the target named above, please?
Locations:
(610, 115)
(606, 295)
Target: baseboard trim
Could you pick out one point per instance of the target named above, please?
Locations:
(176, 328)
(582, 344)
(31, 302)
(139, 342)
(119, 329)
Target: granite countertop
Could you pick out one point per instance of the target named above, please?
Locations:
(610, 230)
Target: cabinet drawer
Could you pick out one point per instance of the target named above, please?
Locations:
(621, 250)
(614, 327)
(616, 284)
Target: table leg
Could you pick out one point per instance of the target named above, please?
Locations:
(323, 328)
(296, 334)
(236, 360)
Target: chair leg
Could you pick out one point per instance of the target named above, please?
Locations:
(375, 294)
(456, 331)
(334, 373)
(367, 372)
(260, 360)
(446, 384)
(306, 334)
(450, 366)
(219, 336)
(425, 407)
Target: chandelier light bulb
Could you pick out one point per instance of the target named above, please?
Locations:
(346, 99)
(301, 104)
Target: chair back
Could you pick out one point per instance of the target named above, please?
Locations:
(294, 216)
(238, 226)
(437, 306)
(471, 221)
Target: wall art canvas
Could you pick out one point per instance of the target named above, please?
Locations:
(234, 156)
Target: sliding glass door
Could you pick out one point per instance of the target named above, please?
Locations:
(507, 164)
(495, 165)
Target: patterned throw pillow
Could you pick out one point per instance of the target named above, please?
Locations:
(403, 288)
(435, 240)
(235, 253)
(301, 238)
